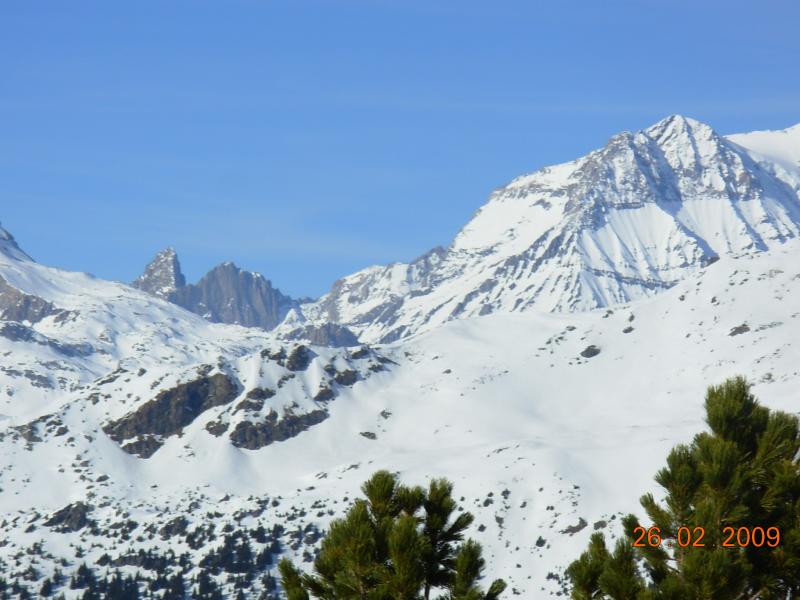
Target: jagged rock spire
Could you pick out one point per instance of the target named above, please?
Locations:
(163, 276)
(226, 294)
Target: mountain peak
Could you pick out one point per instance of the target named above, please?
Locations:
(163, 276)
(228, 294)
(679, 127)
(623, 222)
(680, 120)
(9, 247)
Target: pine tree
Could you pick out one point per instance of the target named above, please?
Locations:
(83, 578)
(743, 473)
(469, 565)
(397, 544)
(207, 588)
(408, 550)
(292, 581)
(177, 587)
(441, 533)
(58, 577)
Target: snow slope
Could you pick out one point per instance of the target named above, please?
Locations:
(782, 146)
(539, 440)
(93, 328)
(621, 223)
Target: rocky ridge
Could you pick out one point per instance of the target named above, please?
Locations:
(228, 294)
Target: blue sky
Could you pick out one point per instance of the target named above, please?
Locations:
(308, 139)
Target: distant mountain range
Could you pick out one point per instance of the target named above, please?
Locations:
(621, 223)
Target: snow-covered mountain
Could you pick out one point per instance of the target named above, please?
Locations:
(65, 331)
(156, 428)
(130, 425)
(621, 223)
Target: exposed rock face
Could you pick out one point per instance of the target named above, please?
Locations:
(226, 294)
(299, 358)
(590, 351)
(16, 305)
(163, 276)
(347, 377)
(72, 517)
(170, 412)
(326, 334)
(324, 394)
(144, 447)
(253, 436)
(740, 329)
(17, 332)
(176, 526)
(260, 393)
(254, 400)
(37, 379)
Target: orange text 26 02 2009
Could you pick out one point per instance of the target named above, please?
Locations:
(693, 537)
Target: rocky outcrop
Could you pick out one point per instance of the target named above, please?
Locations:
(346, 377)
(170, 412)
(299, 358)
(163, 276)
(144, 447)
(327, 334)
(226, 294)
(16, 332)
(739, 329)
(16, 305)
(590, 351)
(176, 526)
(72, 517)
(36, 379)
(253, 436)
(254, 399)
(324, 394)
